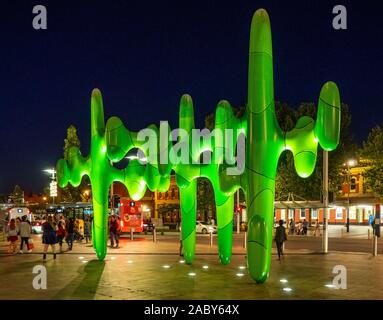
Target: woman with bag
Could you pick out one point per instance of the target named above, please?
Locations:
(12, 237)
(49, 237)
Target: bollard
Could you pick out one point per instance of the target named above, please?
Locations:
(154, 235)
(375, 246)
(131, 233)
(245, 240)
(211, 239)
(368, 234)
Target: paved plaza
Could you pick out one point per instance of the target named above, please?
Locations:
(141, 269)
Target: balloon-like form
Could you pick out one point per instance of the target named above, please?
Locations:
(265, 142)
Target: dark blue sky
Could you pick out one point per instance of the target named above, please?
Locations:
(145, 55)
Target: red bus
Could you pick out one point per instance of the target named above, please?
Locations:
(131, 215)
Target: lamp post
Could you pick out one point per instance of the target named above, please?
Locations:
(325, 202)
(348, 164)
(53, 184)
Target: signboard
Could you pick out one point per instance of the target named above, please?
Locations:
(53, 189)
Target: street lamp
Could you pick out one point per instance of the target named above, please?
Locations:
(53, 184)
(87, 193)
(349, 164)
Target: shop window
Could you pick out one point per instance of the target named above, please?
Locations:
(339, 213)
(353, 184)
(291, 214)
(283, 214)
(303, 214)
(352, 213)
(314, 214)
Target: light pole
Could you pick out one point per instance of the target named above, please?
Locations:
(53, 184)
(325, 202)
(238, 212)
(348, 164)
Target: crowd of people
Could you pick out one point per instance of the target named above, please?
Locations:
(301, 227)
(55, 230)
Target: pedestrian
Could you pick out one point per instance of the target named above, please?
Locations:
(87, 230)
(114, 231)
(25, 233)
(49, 237)
(18, 221)
(292, 226)
(60, 234)
(300, 228)
(280, 237)
(305, 227)
(62, 221)
(12, 237)
(316, 228)
(70, 234)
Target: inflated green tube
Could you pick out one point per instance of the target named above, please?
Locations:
(265, 142)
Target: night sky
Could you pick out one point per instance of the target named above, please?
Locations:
(145, 55)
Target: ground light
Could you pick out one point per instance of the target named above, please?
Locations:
(205, 267)
(242, 267)
(84, 261)
(287, 289)
(329, 285)
(113, 258)
(192, 274)
(239, 274)
(283, 280)
(130, 261)
(166, 266)
(182, 261)
(81, 258)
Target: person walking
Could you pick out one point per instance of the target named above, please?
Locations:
(305, 227)
(49, 237)
(70, 233)
(316, 228)
(292, 227)
(300, 228)
(280, 237)
(114, 231)
(12, 236)
(87, 230)
(25, 233)
(60, 233)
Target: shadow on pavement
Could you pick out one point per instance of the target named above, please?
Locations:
(84, 287)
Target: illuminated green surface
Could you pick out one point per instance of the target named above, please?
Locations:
(265, 142)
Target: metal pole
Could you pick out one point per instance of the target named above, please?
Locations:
(211, 239)
(112, 194)
(238, 222)
(245, 240)
(154, 235)
(131, 233)
(325, 202)
(377, 229)
(348, 198)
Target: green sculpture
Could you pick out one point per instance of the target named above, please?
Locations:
(265, 142)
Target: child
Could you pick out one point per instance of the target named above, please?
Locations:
(12, 236)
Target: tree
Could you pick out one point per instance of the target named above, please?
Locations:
(372, 152)
(17, 196)
(287, 181)
(70, 193)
